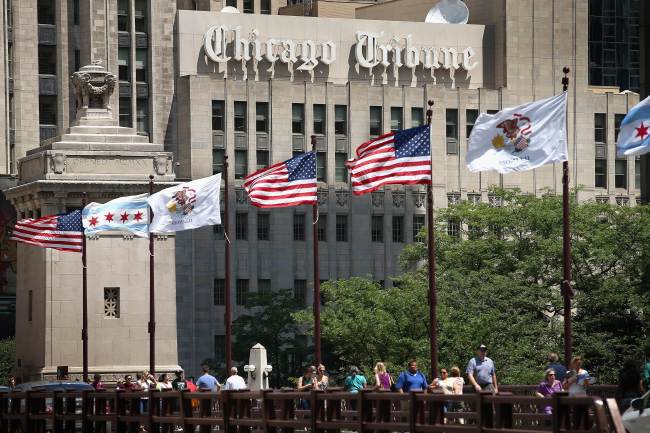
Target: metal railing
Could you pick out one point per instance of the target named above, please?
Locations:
(331, 411)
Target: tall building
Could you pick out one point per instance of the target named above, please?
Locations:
(255, 86)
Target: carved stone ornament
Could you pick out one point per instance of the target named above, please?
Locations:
(323, 197)
(161, 164)
(93, 87)
(378, 199)
(58, 163)
(419, 198)
(342, 197)
(399, 197)
(240, 196)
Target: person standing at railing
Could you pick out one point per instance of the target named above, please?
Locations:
(548, 387)
(234, 382)
(322, 380)
(207, 382)
(646, 369)
(383, 381)
(481, 372)
(97, 382)
(577, 379)
(630, 385)
(354, 383)
(555, 365)
(306, 382)
(411, 379)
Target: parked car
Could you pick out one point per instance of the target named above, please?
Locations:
(4, 388)
(637, 418)
(58, 385)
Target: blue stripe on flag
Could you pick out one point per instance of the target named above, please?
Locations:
(640, 112)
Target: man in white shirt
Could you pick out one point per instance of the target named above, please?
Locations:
(234, 382)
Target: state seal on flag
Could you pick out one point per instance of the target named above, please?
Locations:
(182, 201)
(516, 134)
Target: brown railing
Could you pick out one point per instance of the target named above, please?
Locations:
(331, 411)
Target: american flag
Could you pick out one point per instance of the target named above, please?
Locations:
(61, 232)
(401, 157)
(287, 183)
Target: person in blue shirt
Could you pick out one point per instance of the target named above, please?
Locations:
(207, 382)
(481, 373)
(412, 379)
(554, 364)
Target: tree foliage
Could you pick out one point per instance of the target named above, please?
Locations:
(7, 358)
(498, 283)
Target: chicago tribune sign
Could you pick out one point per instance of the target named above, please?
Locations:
(222, 44)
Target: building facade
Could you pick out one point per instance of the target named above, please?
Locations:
(256, 86)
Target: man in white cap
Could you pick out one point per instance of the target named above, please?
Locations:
(234, 382)
(481, 373)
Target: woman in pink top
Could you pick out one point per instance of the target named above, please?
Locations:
(382, 378)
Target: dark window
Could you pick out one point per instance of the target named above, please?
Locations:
(219, 288)
(419, 221)
(340, 170)
(123, 62)
(396, 115)
(248, 7)
(46, 11)
(220, 349)
(217, 230)
(453, 227)
(452, 131)
(262, 159)
(341, 119)
(319, 119)
(47, 110)
(265, 7)
(30, 305)
(417, 117)
(232, 3)
(601, 173)
(300, 291)
(240, 116)
(262, 116)
(217, 160)
(141, 16)
(263, 227)
(264, 286)
(618, 119)
(298, 118)
(241, 292)
(125, 112)
(377, 228)
(75, 12)
(492, 111)
(600, 127)
(47, 59)
(321, 166)
(299, 227)
(470, 119)
(217, 115)
(123, 21)
(398, 228)
(375, 121)
(322, 227)
(241, 163)
(620, 173)
(77, 60)
(241, 226)
(341, 228)
(142, 116)
(141, 65)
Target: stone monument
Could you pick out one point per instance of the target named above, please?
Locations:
(104, 161)
(257, 369)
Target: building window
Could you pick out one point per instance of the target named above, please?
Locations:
(377, 228)
(217, 160)
(241, 163)
(321, 166)
(141, 16)
(241, 292)
(123, 55)
(319, 119)
(217, 230)
(600, 127)
(265, 7)
(220, 349)
(341, 228)
(398, 228)
(125, 112)
(341, 171)
(417, 117)
(75, 12)
(219, 291)
(299, 227)
(452, 131)
(262, 117)
(396, 115)
(240, 116)
(248, 7)
(470, 120)
(453, 227)
(263, 227)
(46, 11)
(123, 21)
(241, 226)
(262, 159)
(298, 118)
(601, 173)
(47, 110)
(620, 173)
(142, 116)
(47, 59)
(217, 115)
(112, 302)
(341, 119)
(322, 227)
(231, 3)
(618, 119)
(375, 121)
(264, 286)
(300, 291)
(637, 173)
(30, 305)
(419, 221)
(474, 198)
(141, 65)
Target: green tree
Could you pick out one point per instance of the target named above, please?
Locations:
(7, 358)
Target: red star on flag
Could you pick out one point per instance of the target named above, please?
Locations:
(124, 217)
(109, 217)
(137, 216)
(93, 221)
(641, 131)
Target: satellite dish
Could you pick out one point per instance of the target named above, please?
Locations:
(229, 10)
(448, 12)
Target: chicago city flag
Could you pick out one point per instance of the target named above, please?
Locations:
(126, 214)
(520, 138)
(186, 206)
(634, 135)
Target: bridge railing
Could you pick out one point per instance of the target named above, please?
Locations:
(331, 411)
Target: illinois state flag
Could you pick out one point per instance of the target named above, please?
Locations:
(634, 135)
(126, 214)
(186, 206)
(520, 138)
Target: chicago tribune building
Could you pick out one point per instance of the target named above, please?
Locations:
(254, 82)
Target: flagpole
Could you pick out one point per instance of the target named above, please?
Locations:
(317, 340)
(433, 299)
(84, 300)
(152, 305)
(567, 290)
(227, 317)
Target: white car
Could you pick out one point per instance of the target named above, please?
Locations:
(637, 418)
